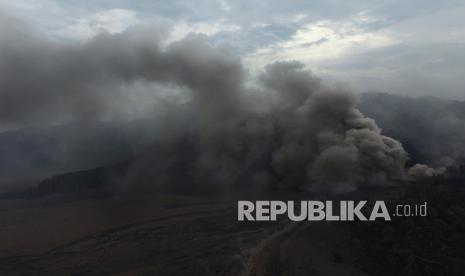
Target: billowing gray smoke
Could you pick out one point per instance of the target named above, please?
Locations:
(287, 130)
(324, 139)
(431, 129)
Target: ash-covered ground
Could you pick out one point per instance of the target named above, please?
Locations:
(159, 234)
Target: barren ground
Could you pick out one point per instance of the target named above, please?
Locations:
(155, 234)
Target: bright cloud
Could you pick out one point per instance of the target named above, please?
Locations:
(182, 28)
(322, 41)
(111, 21)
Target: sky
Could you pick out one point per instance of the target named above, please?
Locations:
(409, 47)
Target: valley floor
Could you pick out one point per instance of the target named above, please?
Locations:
(153, 234)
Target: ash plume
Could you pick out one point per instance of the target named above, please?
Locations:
(287, 131)
(422, 171)
(431, 129)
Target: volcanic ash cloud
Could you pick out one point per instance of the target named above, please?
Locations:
(286, 130)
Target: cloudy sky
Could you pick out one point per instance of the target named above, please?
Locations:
(405, 47)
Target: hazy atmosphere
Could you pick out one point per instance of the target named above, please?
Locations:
(129, 129)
